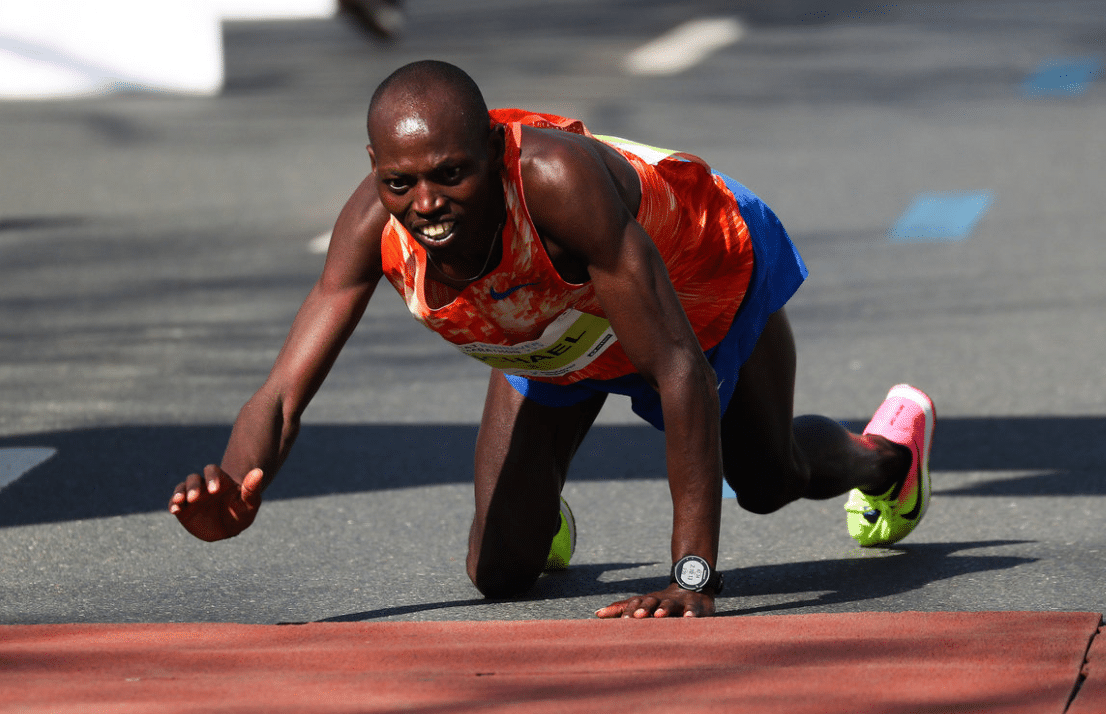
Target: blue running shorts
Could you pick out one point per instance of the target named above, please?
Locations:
(778, 271)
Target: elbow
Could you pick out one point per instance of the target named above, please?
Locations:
(694, 373)
(691, 388)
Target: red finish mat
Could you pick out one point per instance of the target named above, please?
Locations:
(889, 663)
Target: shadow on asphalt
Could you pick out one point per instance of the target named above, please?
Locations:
(113, 471)
(580, 578)
(856, 579)
(817, 583)
(400, 610)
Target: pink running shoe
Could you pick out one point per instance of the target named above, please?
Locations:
(906, 417)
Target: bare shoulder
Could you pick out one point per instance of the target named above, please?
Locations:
(363, 215)
(354, 255)
(558, 159)
(551, 155)
(577, 188)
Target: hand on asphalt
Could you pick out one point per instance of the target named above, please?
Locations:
(673, 601)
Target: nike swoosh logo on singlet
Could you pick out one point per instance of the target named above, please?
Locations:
(508, 292)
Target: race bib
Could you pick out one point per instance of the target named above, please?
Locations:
(569, 343)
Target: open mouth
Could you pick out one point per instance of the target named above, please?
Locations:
(436, 232)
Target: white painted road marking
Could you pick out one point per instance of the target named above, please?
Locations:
(15, 462)
(684, 46)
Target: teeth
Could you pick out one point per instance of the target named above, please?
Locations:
(436, 230)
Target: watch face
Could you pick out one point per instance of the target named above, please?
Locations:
(692, 573)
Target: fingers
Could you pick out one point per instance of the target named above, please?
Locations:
(251, 487)
(644, 607)
(215, 478)
(668, 603)
(612, 610)
(637, 607)
(213, 506)
(187, 492)
(196, 488)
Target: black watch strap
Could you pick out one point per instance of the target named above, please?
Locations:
(693, 573)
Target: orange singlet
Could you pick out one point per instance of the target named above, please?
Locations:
(523, 318)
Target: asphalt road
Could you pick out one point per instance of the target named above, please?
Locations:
(153, 250)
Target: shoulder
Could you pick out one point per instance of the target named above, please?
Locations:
(354, 254)
(553, 159)
(576, 187)
(363, 212)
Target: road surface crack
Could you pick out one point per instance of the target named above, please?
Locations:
(1084, 669)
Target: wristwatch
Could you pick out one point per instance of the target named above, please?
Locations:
(693, 573)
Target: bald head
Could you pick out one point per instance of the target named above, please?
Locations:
(406, 102)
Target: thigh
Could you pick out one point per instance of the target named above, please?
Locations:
(523, 452)
(759, 454)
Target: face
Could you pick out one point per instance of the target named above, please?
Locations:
(439, 181)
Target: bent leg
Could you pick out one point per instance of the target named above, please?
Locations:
(523, 453)
(771, 459)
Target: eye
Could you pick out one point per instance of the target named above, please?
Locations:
(451, 175)
(396, 185)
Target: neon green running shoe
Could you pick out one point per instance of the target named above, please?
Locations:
(906, 417)
(564, 543)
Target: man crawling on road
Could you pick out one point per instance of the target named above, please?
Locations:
(577, 266)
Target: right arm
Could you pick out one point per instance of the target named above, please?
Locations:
(223, 501)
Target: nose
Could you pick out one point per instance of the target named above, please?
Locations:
(428, 199)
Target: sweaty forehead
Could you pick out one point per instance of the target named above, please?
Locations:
(404, 135)
(404, 114)
(410, 125)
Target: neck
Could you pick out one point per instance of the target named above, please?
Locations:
(459, 276)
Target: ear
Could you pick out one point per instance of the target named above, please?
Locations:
(372, 155)
(497, 145)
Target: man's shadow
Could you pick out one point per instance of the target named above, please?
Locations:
(119, 470)
(851, 581)
(113, 471)
(903, 568)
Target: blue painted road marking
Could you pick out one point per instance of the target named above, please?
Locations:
(941, 216)
(1063, 77)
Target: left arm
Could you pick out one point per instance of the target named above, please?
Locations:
(645, 313)
(578, 208)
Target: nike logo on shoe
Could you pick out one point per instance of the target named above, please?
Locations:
(508, 292)
(917, 509)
